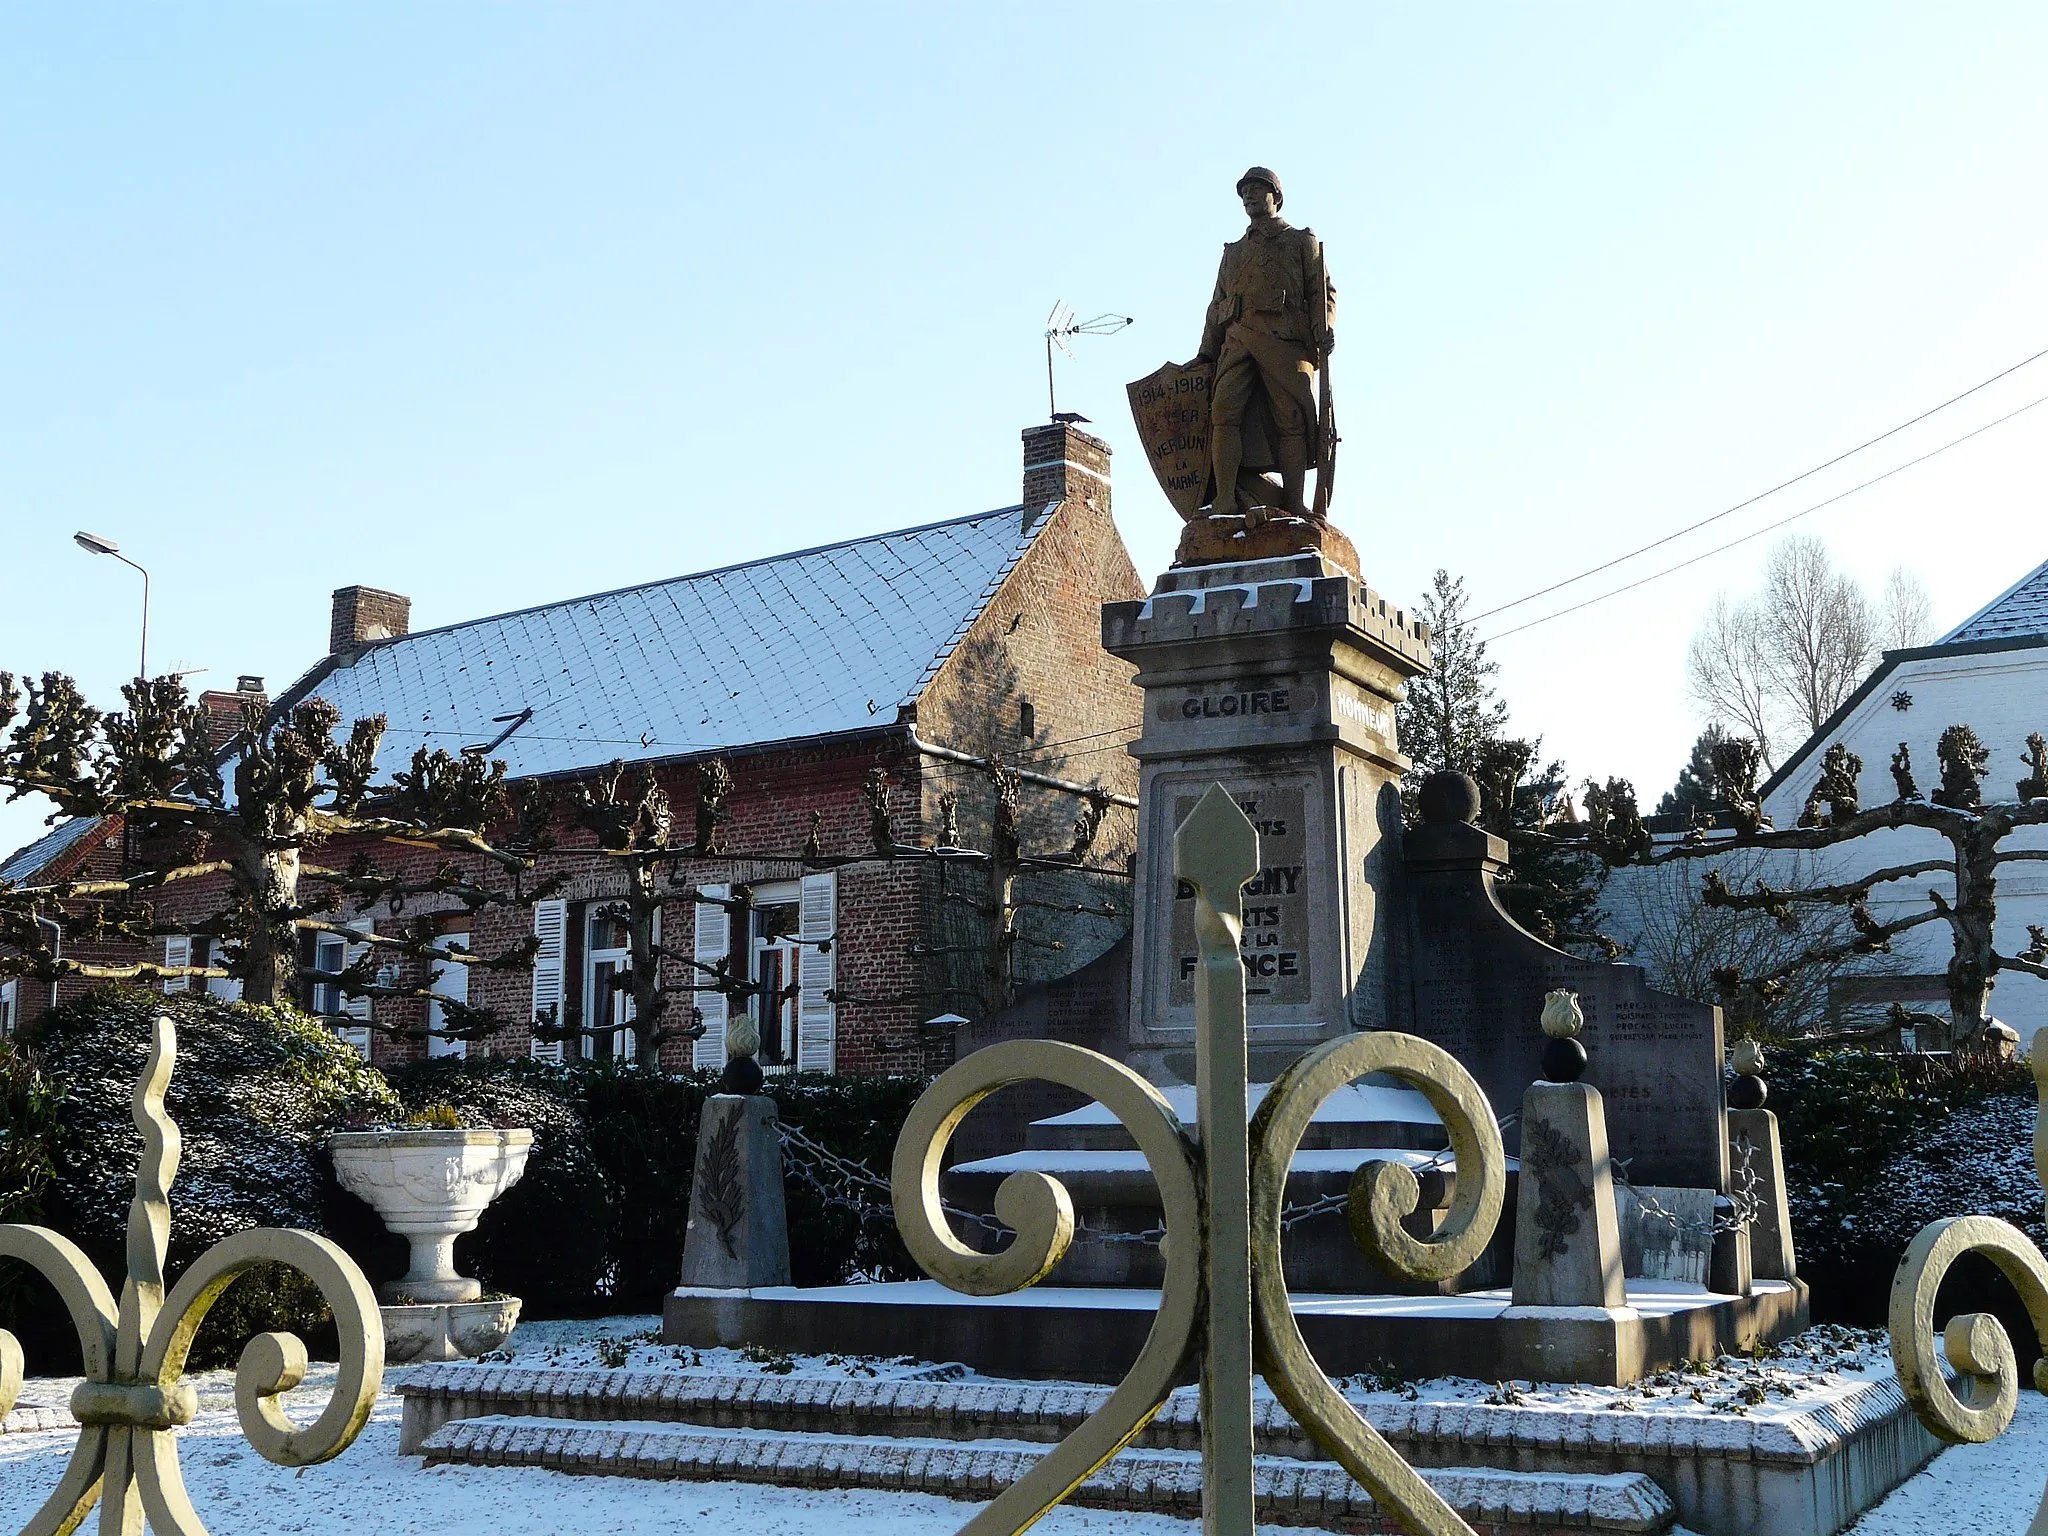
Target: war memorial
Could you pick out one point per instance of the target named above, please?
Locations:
(1378, 1213)
(1517, 1163)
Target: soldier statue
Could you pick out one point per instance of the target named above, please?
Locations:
(1268, 333)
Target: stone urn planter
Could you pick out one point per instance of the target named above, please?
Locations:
(431, 1186)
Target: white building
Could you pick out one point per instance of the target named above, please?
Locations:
(1991, 674)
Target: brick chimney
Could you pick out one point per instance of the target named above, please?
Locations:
(364, 614)
(224, 710)
(1061, 463)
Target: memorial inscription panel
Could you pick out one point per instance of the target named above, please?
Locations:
(1276, 945)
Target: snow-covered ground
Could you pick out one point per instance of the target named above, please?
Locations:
(1988, 1490)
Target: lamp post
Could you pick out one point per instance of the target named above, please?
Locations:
(103, 546)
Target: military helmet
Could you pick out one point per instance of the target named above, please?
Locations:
(1260, 173)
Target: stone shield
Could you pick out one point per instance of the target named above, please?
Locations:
(1171, 409)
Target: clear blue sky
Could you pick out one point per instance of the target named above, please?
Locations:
(498, 303)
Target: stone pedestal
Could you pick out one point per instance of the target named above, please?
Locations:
(738, 1233)
(1567, 1240)
(1753, 1137)
(1276, 678)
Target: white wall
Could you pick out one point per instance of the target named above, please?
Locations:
(2002, 695)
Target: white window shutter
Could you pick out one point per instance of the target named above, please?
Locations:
(817, 1017)
(550, 966)
(712, 942)
(178, 951)
(357, 1007)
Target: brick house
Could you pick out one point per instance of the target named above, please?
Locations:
(918, 652)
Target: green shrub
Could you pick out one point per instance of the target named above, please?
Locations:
(1874, 1147)
(595, 1225)
(597, 1222)
(858, 1118)
(643, 1129)
(255, 1094)
(28, 1124)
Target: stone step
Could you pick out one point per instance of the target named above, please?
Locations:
(1804, 1470)
(1288, 1491)
(30, 1418)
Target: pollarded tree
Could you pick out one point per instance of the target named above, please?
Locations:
(254, 816)
(1976, 830)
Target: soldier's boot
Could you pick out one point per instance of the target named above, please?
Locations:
(1229, 454)
(1293, 455)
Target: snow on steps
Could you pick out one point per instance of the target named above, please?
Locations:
(1289, 1491)
(1041, 1411)
(27, 1418)
(1804, 1468)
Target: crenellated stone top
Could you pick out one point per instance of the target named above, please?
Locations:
(1295, 593)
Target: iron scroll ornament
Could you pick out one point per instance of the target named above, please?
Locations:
(1223, 1297)
(1979, 1350)
(134, 1396)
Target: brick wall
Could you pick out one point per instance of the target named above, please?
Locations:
(1037, 644)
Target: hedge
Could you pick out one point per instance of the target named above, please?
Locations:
(1877, 1145)
(255, 1094)
(595, 1225)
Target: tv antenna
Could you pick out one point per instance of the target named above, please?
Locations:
(1059, 326)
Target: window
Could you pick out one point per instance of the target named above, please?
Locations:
(453, 984)
(782, 942)
(774, 957)
(349, 1017)
(10, 1005)
(330, 953)
(607, 961)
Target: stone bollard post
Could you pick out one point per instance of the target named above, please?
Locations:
(1753, 1141)
(738, 1233)
(1567, 1233)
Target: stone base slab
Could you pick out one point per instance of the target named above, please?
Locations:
(1226, 540)
(1288, 1492)
(1094, 1333)
(1804, 1469)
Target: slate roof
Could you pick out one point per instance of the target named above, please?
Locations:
(816, 643)
(2021, 609)
(38, 855)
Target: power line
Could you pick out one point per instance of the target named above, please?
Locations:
(1771, 527)
(1760, 495)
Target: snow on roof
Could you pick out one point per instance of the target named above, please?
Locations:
(808, 644)
(24, 863)
(2022, 609)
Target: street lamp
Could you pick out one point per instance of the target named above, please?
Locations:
(97, 545)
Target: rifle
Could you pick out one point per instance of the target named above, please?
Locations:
(1326, 437)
